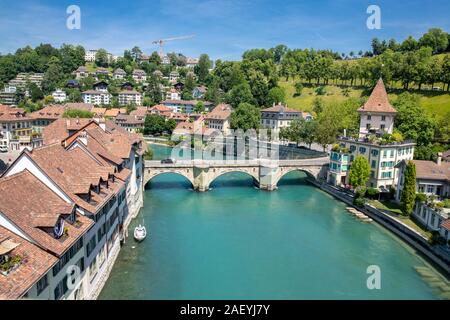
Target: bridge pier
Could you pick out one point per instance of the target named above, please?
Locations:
(268, 177)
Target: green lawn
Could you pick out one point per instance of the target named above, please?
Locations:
(393, 210)
(92, 68)
(436, 103)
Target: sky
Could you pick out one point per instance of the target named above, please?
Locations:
(224, 29)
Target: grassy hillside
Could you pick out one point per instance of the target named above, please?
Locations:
(436, 103)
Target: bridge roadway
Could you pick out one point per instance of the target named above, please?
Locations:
(266, 173)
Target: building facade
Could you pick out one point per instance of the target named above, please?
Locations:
(376, 120)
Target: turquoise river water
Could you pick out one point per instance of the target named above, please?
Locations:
(238, 242)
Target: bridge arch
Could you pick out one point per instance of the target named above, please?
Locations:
(149, 175)
(282, 172)
(216, 173)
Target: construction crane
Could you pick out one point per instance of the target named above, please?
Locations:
(162, 42)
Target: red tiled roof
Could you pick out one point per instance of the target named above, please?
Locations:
(11, 114)
(221, 112)
(431, 170)
(39, 211)
(378, 100)
(61, 129)
(35, 264)
(446, 224)
(280, 108)
(51, 112)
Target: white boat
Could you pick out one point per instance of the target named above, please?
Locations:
(140, 233)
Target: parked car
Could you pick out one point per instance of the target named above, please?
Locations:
(3, 148)
(168, 161)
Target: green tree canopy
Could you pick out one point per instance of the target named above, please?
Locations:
(77, 113)
(408, 195)
(245, 117)
(359, 172)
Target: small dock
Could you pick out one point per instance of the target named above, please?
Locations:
(361, 216)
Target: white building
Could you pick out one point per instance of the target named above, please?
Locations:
(96, 97)
(139, 75)
(280, 116)
(119, 74)
(128, 97)
(90, 55)
(59, 95)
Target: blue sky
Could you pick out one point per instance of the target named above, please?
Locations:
(222, 28)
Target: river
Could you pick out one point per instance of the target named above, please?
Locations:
(238, 242)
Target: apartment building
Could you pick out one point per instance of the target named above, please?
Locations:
(280, 116)
(139, 75)
(130, 97)
(44, 117)
(219, 118)
(16, 129)
(383, 155)
(59, 95)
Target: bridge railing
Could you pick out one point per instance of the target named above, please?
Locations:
(258, 162)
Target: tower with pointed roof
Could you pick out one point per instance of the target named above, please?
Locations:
(377, 118)
(377, 114)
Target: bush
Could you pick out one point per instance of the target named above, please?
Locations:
(320, 91)
(359, 202)
(447, 203)
(360, 192)
(372, 193)
(421, 197)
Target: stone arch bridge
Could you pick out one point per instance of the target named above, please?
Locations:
(266, 173)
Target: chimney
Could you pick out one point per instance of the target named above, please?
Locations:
(439, 159)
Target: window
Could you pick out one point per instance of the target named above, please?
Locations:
(375, 152)
(383, 118)
(374, 164)
(430, 189)
(392, 153)
(91, 245)
(368, 126)
(362, 150)
(42, 284)
(369, 117)
(382, 127)
(61, 288)
(384, 153)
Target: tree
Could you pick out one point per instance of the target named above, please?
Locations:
(245, 117)
(36, 92)
(136, 53)
(202, 68)
(154, 92)
(276, 95)
(408, 195)
(359, 172)
(240, 94)
(154, 124)
(298, 88)
(77, 113)
(53, 76)
(171, 124)
(436, 39)
(200, 107)
(101, 58)
(412, 121)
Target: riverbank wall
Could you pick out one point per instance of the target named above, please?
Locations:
(404, 232)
